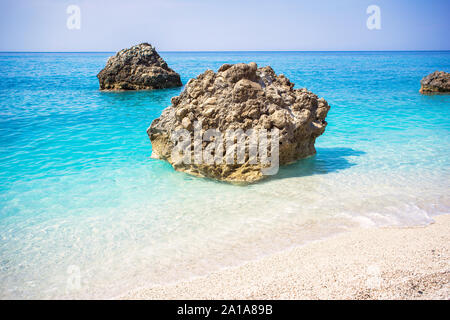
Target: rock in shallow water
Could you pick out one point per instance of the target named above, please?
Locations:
(235, 99)
(436, 82)
(137, 68)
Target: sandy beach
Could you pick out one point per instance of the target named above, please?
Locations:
(377, 263)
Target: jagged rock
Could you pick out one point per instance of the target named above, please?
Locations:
(137, 68)
(240, 96)
(436, 82)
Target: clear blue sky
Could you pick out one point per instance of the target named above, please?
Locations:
(196, 25)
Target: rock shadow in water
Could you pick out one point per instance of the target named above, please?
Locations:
(325, 161)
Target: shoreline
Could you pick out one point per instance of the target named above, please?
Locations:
(365, 263)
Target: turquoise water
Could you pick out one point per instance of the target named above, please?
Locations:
(81, 197)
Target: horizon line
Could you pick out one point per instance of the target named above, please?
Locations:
(212, 51)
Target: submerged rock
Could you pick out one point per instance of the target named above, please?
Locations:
(239, 96)
(436, 82)
(137, 68)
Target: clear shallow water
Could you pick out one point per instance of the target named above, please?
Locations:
(79, 191)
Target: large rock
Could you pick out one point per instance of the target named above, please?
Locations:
(241, 96)
(137, 68)
(436, 82)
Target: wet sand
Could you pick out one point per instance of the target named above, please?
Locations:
(377, 263)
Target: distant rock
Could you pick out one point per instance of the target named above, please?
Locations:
(436, 82)
(137, 68)
(240, 96)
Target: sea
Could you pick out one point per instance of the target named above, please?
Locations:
(86, 213)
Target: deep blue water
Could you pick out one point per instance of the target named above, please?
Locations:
(78, 187)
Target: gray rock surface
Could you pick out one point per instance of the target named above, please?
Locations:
(137, 68)
(436, 82)
(241, 96)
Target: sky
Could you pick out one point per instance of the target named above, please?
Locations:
(227, 25)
